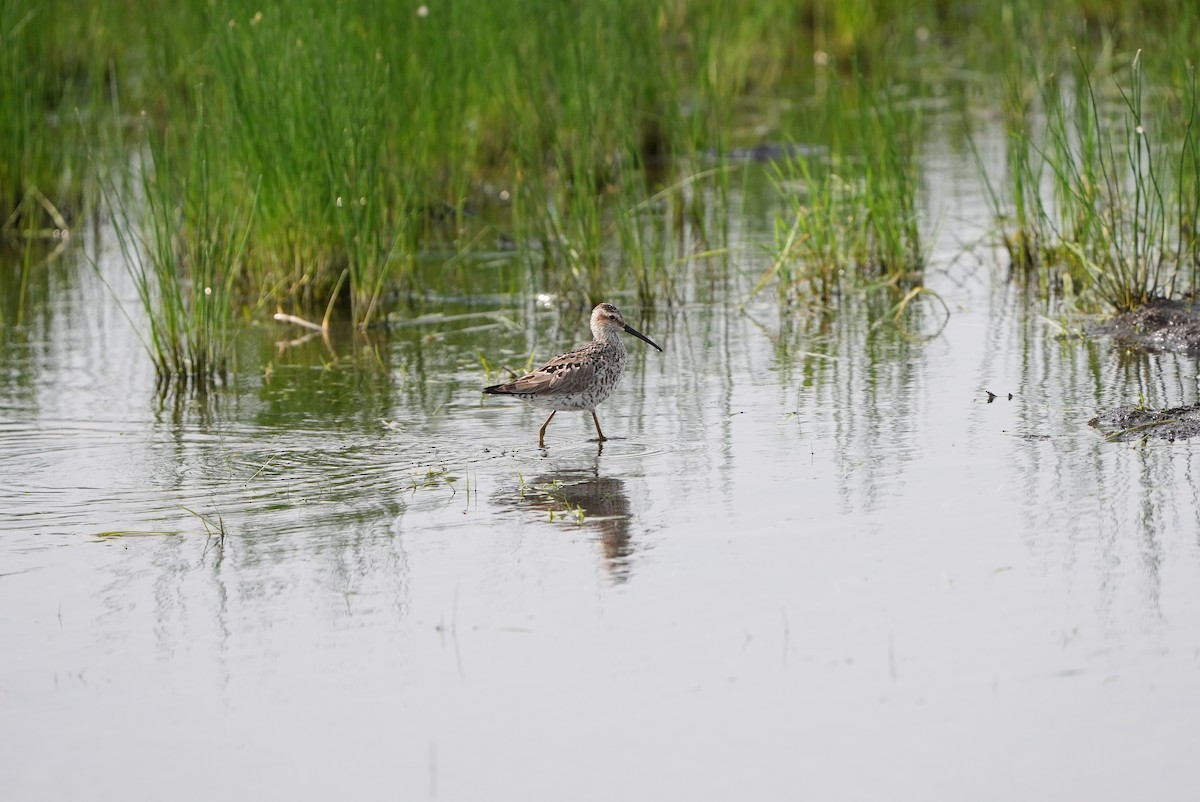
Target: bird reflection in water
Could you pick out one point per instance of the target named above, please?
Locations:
(597, 503)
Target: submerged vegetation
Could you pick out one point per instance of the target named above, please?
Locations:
(300, 155)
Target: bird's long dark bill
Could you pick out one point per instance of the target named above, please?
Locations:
(631, 330)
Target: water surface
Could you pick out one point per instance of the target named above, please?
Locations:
(812, 562)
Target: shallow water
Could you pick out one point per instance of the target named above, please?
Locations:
(812, 562)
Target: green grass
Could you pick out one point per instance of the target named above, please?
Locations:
(375, 133)
(850, 203)
(354, 153)
(33, 103)
(1102, 198)
(186, 260)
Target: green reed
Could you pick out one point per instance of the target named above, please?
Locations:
(307, 132)
(187, 261)
(36, 120)
(376, 131)
(352, 145)
(850, 206)
(1102, 198)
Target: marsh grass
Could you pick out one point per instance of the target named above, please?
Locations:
(850, 207)
(1102, 197)
(661, 235)
(352, 154)
(56, 81)
(28, 103)
(305, 108)
(373, 131)
(370, 136)
(185, 261)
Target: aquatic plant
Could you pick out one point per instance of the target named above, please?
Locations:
(433, 478)
(850, 206)
(405, 130)
(1102, 201)
(186, 274)
(380, 144)
(58, 103)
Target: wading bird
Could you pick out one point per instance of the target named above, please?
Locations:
(579, 379)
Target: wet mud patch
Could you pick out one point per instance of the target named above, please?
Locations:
(1157, 326)
(1136, 422)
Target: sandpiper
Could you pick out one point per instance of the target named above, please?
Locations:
(579, 379)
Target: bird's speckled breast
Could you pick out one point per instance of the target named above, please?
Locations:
(608, 362)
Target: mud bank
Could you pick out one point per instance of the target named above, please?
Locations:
(1158, 326)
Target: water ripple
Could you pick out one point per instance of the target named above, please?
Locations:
(174, 480)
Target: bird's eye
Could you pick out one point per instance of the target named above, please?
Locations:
(612, 317)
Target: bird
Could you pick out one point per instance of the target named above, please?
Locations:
(579, 379)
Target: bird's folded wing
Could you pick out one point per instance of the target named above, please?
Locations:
(569, 373)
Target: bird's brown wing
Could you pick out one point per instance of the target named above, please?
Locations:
(570, 373)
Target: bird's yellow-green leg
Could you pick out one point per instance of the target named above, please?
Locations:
(542, 431)
(598, 432)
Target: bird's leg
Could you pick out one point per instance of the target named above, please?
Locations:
(542, 431)
(600, 433)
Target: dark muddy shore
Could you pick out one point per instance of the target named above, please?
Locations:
(1138, 423)
(1158, 326)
